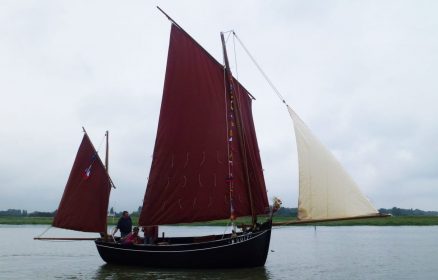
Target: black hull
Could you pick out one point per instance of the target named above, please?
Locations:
(247, 250)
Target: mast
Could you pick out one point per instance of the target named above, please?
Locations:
(105, 234)
(240, 131)
(107, 151)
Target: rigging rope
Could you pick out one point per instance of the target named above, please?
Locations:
(277, 92)
(235, 57)
(226, 227)
(47, 229)
(260, 69)
(100, 145)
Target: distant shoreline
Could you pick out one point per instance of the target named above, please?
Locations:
(391, 221)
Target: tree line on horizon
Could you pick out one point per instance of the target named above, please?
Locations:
(282, 212)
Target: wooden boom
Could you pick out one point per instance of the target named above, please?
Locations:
(329, 220)
(66, 238)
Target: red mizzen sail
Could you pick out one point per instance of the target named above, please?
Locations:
(84, 203)
(190, 174)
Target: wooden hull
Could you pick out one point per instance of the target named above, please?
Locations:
(247, 250)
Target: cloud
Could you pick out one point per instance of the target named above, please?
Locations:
(360, 74)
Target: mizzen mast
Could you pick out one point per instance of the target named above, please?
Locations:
(107, 152)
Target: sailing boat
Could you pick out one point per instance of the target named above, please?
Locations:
(206, 166)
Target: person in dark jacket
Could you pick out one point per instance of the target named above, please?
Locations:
(124, 225)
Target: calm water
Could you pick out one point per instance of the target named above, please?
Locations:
(295, 253)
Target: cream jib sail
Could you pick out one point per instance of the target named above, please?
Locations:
(326, 190)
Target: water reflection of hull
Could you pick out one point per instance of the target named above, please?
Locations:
(216, 251)
(111, 271)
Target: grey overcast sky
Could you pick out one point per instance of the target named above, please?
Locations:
(361, 74)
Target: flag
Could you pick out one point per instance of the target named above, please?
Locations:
(87, 171)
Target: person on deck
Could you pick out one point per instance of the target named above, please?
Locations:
(132, 238)
(150, 234)
(124, 225)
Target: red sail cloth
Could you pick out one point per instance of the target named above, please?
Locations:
(189, 172)
(84, 204)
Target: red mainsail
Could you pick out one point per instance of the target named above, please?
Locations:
(84, 203)
(197, 152)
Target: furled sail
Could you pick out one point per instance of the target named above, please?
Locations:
(326, 190)
(84, 204)
(190, 172)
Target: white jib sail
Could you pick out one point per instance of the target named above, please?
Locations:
(326, 190)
